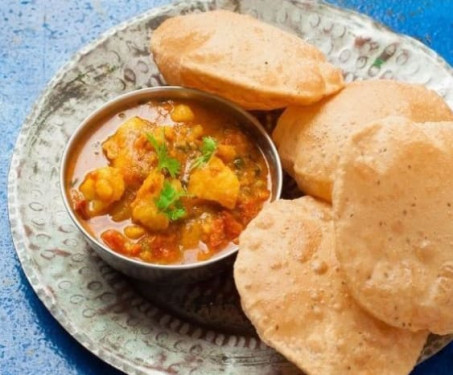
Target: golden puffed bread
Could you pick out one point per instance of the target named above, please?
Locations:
(293, 291)
(310, 139)
(254, 64)
(393, 206)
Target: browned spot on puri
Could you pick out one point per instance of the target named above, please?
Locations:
(311, 236)
(397, 227)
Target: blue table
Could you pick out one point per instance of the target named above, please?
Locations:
(36, 38)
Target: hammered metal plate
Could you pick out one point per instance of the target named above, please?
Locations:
(137, 328)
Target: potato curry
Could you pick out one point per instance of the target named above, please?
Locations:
(176, 182)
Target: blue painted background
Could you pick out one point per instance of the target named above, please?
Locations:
(36, 38)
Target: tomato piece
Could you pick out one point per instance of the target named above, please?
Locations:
(216, 236)
(232, 227)
(224, 228)
(162, 248)
(115, 240)
(79, 203)
(135, 249)
(248, 208)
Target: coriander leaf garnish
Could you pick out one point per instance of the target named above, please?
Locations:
(169, 202)
(165, 161)
(176, 213)
(208, 148)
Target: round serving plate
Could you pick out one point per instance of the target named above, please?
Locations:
(192, 329)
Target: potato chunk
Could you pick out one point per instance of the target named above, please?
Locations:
(144, 209)
(134, 231)
(226, 152)
(129, 150)
(215, 182)
(182, 113)
(101, 188)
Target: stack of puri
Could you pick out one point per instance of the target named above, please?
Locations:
(353, 283)
(311, 139)
(293, 290)
(352, 277)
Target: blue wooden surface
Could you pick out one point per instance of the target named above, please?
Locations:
(36, 38)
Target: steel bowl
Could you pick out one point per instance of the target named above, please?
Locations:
(174, 273)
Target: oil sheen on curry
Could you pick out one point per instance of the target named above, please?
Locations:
(167, 182)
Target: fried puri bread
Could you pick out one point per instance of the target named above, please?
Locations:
(311, 139)
(254, 64)
(393, 206)
(293, 291)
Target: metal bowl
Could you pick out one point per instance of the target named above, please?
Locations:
(174, 273)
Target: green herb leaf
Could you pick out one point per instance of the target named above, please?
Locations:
(176, 213)
(208, 148)
(378, 62)
(169, 202)
(172, 165)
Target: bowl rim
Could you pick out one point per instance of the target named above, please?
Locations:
(163, 92)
